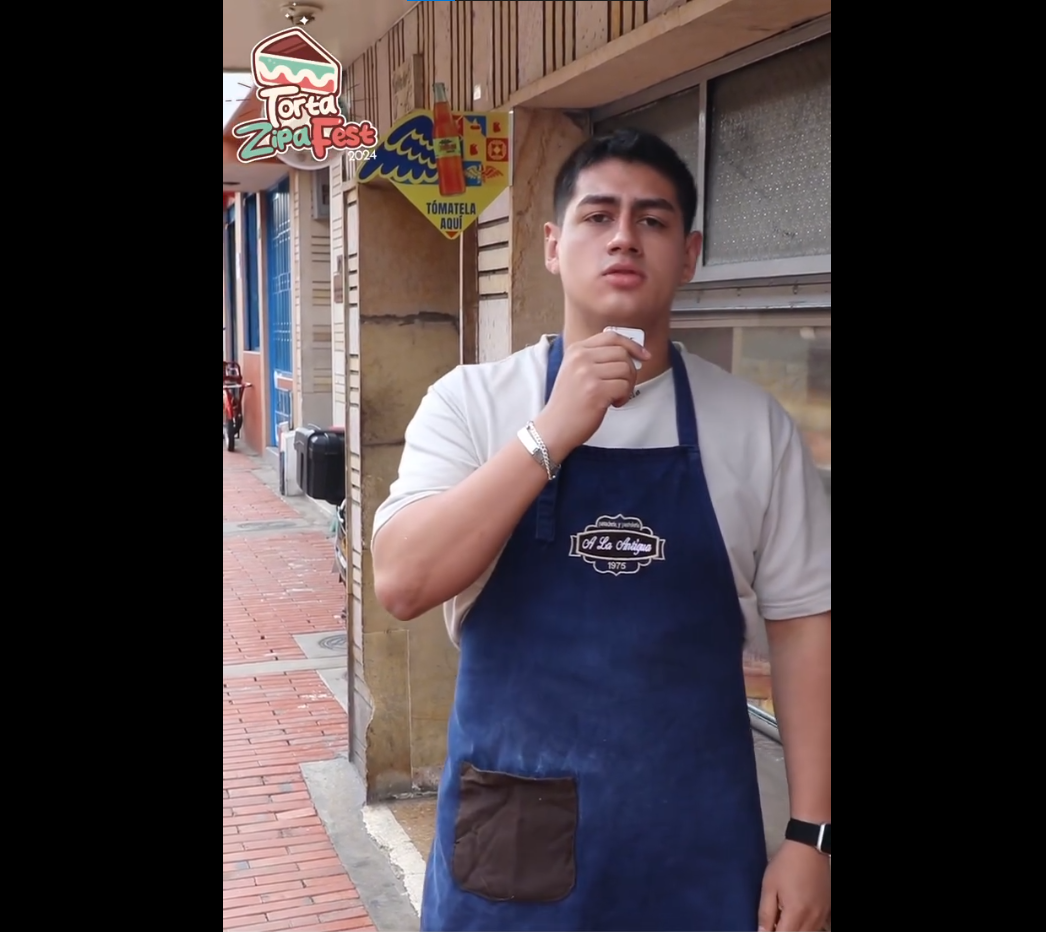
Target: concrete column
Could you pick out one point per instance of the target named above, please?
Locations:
(518, 298)
(542, 139)
(403, 336)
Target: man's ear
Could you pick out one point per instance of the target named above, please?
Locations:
(552, 248)
(692, 254)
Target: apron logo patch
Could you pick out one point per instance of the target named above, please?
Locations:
(616, 545)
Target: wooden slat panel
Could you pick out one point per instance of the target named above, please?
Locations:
(458, 16)
(499, 210)
(513, 48)
(383, 79)
(495, 283)
(352, 237)
(550, 36)
(590, 25)
(395, 45)
(469, 53)
(531, 40)
(569, 31)
(426, 14)
(368, 99)
(495, 52)
(635, 15)
(658, 7)
(495, 329)
(617, 10)
(411, 37)
(374, 103)
(506, 39)
(454, 85)
(494, 234)
(469, 56)
(483, 52)
(442, 53)
(494, 259)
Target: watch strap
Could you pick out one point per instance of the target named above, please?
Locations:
(815, 834)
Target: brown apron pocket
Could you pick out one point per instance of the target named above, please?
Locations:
(514, 836)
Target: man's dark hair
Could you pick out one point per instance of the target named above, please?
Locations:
(637, 147)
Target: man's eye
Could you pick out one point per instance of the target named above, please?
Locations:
(653, 221)
(598, 218)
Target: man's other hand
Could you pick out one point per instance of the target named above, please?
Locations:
(797, 890)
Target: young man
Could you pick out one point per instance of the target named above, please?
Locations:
(603, 522)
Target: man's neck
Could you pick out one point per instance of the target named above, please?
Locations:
(655, 341)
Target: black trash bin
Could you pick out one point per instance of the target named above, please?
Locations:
(321, 462)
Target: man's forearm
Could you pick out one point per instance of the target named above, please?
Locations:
(801, 672)
(437, 547)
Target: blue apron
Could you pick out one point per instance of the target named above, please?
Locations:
(601, 772)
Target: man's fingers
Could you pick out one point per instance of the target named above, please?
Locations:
(799, 920)
(768, 910)
(609, 338)
(791, 921)
(602, 354)
(620, 392)
(618, 369)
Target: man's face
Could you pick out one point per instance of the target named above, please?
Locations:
(620, 250)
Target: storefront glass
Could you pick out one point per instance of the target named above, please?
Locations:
(794, 364)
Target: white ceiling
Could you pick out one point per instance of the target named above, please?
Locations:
(346, 28)
(251, 177)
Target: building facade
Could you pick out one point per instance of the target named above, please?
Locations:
(379, 304)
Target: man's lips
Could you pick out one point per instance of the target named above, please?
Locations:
(624, 275)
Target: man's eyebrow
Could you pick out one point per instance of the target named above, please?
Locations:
(610, 200)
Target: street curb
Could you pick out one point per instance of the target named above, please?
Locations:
(338, 794)
(389, 835)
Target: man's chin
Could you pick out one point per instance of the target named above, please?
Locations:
(622, 313)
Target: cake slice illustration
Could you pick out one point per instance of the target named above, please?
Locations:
(293, 58)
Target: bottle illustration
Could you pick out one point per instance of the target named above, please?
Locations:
(448, 144)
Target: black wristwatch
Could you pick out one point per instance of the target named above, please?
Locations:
(814, 834)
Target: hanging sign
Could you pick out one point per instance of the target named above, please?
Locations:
(450, 165)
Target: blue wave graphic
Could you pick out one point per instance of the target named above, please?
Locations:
(406, 155)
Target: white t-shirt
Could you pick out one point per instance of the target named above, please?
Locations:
(771, 505)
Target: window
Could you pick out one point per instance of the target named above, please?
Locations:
(768, 190)
(757, 135)
(756, 131)
(790, 358)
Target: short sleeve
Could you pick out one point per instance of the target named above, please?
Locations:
(438, 450)
(793, 577)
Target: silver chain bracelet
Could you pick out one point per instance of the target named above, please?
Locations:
(546, 459)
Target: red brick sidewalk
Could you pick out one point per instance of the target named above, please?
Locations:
(280, 870)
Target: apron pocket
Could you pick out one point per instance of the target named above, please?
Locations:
(514, 836)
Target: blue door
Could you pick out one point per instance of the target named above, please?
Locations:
(230, 263)
(278, 262)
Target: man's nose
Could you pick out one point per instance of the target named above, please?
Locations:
(624, 238)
